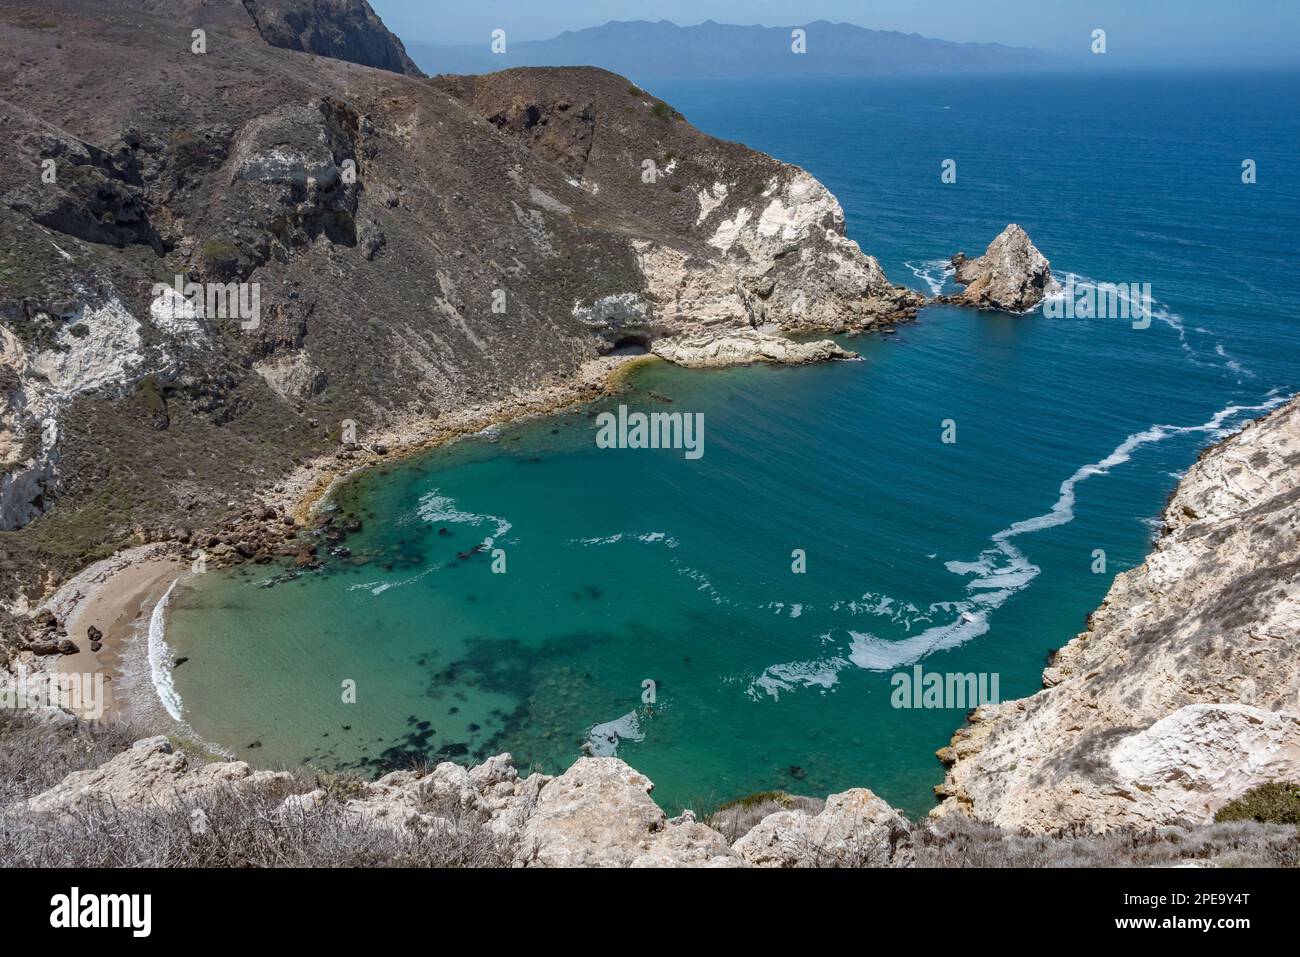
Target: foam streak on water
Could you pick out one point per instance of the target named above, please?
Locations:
(436, 508)
(160, 657)
(1163, 314)
(995, 576)
(933, 272)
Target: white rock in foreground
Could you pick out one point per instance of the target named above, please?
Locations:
(598, 813)
(150, 774)
(855, 829)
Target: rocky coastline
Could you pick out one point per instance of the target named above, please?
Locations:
(579, 218)
(1181, 695)
(1177, 700)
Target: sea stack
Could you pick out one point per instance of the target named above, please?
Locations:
(1011, 276)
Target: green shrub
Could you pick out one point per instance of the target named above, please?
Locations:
(219, 251)
(1277, 803)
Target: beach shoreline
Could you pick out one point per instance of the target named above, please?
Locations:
(118, 595)
(115, 596)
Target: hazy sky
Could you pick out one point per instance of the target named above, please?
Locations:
(1168, 32)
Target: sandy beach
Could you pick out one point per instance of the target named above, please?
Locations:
(116, 596)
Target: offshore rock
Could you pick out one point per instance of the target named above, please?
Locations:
(1011, 276)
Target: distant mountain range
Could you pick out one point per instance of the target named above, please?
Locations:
(641, 48)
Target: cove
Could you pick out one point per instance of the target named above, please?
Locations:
(628, 565)
(972, 558)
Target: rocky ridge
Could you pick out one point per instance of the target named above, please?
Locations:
(344, 29)
(598, 813)
(419, 247)
(1183, 693)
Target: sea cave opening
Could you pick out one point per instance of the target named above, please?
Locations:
(631, 345)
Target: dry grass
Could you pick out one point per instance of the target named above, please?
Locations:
(232, 828)
(36, 754)
(224, 828)
(252, 828)
(959, 842)
(229, 828)
(734, 819)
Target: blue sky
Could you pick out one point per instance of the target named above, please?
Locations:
(1164, 32)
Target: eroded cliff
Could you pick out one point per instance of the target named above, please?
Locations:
(368, 246)
(1184, 691)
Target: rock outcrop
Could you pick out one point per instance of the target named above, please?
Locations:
(1011, 276)
(736, 348)
(151, 773)
(598, 813)
(343, 29)
(855, 828)
(415, 247)
(1184, 692)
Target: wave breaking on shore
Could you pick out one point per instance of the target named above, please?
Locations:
(160, 656)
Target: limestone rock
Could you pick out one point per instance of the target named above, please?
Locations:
(1192, 762)
(1012, 275)
(151, 772)
(1184, 692)
(599, 814)
(737, 348)
(854, 829)
(292, 376)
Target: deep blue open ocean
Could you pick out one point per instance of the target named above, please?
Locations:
(977, 556)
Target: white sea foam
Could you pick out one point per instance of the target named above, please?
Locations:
(603, 739)
(1163, 314)
(438, 509)
(702, 583)
(932, 272)
(875, 654)
(822, 673)
(606, 540)
(160, 657)
(648, 538)
(997, 574)
(379, 586)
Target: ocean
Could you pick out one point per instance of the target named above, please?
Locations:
(743, 621)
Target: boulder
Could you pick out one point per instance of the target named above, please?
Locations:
(747, 346)
(599, 813)
(150, 773)
(1011, 276)
(854, 829)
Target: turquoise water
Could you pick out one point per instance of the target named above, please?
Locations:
(624, 566)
